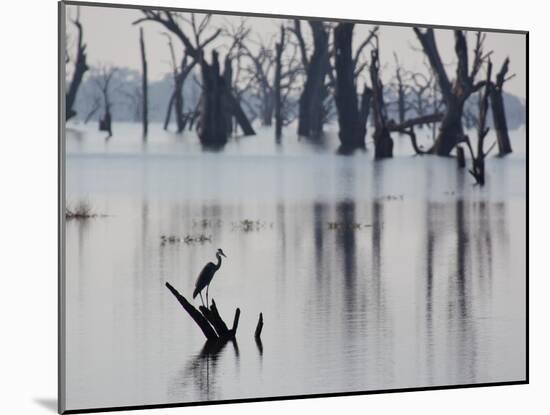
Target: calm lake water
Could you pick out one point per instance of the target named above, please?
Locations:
(370, 275)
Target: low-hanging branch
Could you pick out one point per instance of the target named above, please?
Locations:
(424, 119)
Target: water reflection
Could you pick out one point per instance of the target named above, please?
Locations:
(366, 279)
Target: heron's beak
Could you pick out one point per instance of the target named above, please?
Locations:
(221, 253)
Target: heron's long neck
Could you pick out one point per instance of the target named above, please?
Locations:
(219, 264)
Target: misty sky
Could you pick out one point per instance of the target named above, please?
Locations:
(112, 39)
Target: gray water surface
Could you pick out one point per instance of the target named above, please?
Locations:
(370, 275)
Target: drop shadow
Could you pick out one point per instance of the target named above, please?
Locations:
(48, 403)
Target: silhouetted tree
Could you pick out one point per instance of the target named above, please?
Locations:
(145, 104)
(352, 116)
(80, 68)
(312, 112)
(456, 93)
(497, 108)
(216, 96)
(478, 158)
(383, 143)
(103, 79)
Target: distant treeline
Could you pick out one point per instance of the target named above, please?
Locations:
(127, 101)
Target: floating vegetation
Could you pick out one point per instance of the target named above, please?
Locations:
(247, 225)
(187, 239)
(346, 225)
(207, 223)
(82, 210)
(392, 197)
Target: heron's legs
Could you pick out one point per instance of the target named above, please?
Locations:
(202, 301)
(207, 287)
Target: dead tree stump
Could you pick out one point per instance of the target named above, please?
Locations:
(209, 320)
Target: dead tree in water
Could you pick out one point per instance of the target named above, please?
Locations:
(216, 96)
(352, 115)
(478, 160)
(383, 143)
(145, 104)
(279, 46)
(103, 80)
(311, 105)
(497, 108)
(286, 73)
(208, 319)
(79, 69)
(402, 105)
(456, 93)
(176, 99)
(260, 75)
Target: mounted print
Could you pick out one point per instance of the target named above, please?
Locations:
(258, 207)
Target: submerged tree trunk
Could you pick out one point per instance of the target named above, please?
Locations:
(277, 85)
(145, 103)
(228, 80)
(478, 160)
(451, 131)
(216, 104)
(179, 79)
(169, 110)
(311, 105)
(351, 121)
(80, 68)
(383, 143)
(454, 94)
(499, 114)
(208, 319)
(212, 127)
(105, 122)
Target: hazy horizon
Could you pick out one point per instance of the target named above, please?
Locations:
(103, 47)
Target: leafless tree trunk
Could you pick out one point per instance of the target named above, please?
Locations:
(311, 105)
(216, 95)
(383, 143)
(352, 118)
(212, 128)
(169, 110)
(80, 68)
(103, 80)
(277, 85)
(478, 160)
(145, 102)
(401, 95)
(499, 115)
(228, 80)
(454, 94)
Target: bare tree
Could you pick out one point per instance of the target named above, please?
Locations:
(103, 80)
(216, 100)
(352, 115)
(261, 74)
(80, 68)
(383, 143)
(180, 74)
(456, 93)
(497, 108)
(145, 104)
(401, 89)
(312, 112)
(478, 158)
